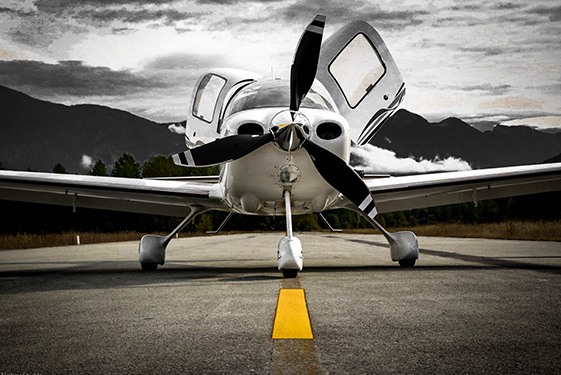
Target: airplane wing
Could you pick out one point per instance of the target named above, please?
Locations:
(435, 189)
(158, 197)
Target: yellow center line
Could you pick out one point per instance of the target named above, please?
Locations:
(292, 320)
(294, 350)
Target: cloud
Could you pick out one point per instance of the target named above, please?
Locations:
(176, 128)
(35, 29)
(340, 13)
(506, 6)
(487, 88)
(87, 162)
(229, 2)
(75, 78)
(487, 51)
(486, 118)
(548, 123)
(180, 61)
(134, 16)
(66, 7)
(513, 103)
(16, 12)
(373, 159)
(52, 20)
(551, 12)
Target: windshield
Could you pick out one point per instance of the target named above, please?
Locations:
(273, 93)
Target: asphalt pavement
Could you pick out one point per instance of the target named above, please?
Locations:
(469, 306)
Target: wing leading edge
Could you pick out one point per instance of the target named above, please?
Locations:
(435, 189)
(158, 197)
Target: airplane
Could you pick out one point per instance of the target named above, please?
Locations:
(284, 147)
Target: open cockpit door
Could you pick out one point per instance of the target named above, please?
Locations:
(211, 95)
(360, 74)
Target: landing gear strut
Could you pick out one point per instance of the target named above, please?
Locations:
(404, 247)
(152, 249)
(290, 247)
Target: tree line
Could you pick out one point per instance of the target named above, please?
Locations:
(37, 218)
(155, 166)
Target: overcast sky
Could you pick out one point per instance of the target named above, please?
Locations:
(470, 59)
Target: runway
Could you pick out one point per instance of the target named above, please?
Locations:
(469, 306)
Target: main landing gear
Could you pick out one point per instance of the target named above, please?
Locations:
(152, 249)
(404, 247)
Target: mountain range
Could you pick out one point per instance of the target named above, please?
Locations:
(36, 135)
(410, 135)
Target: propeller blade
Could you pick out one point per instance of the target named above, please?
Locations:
(305, 63)
(222, 150)
(338, 174)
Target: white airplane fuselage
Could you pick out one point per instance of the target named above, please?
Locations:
(254, 184)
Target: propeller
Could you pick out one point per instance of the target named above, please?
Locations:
(290, 135)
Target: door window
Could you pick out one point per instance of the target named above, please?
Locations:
(357, 69)
(206, 98)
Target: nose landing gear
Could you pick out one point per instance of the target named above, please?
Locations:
(290, 248)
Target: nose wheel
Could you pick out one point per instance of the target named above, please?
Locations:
(290, 274)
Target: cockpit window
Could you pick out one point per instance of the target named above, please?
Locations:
(273, 93)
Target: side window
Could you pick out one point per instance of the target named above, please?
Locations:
(357, 69)
(206, 97)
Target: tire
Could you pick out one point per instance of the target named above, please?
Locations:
(149, 266)
(289, 274)
(407, 263)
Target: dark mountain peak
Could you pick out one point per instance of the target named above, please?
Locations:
(454, 122)
(38, 134)
(10, 97)
(6, 92)
(404, 116)
(456, 128)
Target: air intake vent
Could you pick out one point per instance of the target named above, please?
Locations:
(329, 130)
(251, 129)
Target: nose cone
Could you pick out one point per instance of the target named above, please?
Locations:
(290, 128)
(290, 138)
